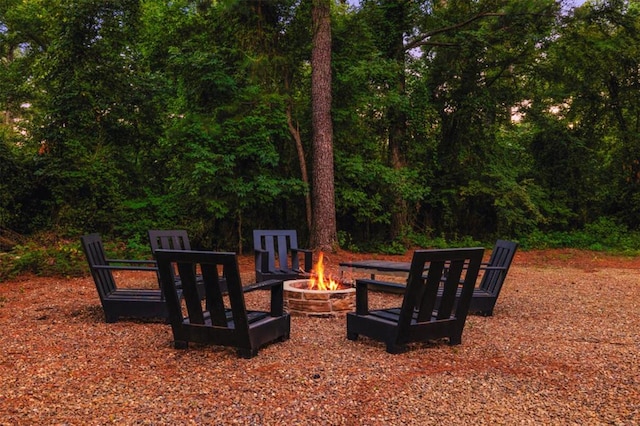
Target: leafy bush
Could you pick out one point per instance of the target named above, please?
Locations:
(427, 241)
(48, 255)
(395, 247)
(604, 234)
(409, 241)
(345, 240)
(64, 259)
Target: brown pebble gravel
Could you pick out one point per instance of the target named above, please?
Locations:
(562, 348)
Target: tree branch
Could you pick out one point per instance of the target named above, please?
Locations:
(422, 39)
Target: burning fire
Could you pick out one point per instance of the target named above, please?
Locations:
(317, 281)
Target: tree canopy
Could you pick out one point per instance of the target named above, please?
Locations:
(487, 118)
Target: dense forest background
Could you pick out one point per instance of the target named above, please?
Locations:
(452, 120)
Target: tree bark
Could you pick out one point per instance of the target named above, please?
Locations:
(324, 234)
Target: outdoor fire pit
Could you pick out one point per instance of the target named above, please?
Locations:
(299, 299)
(318, 296)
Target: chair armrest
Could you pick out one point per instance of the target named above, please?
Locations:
(263, 285)
(131, 261)
(133, 265)
(277, 294)
(261, 260)
(126, 268)
(362, 292)
(387, 284)
(308, 259)
(305, 251)
(493, 268)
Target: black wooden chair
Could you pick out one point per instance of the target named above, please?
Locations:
(121, 302)
(219, 323)
(423, 316)
(277, 255)
(176, 239)
(493, 275)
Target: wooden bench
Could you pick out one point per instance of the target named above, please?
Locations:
(423, 315)
(120, 302)
(376, 267)
(398, 271)
(222, 321)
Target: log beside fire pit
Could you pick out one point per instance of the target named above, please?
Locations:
(299, 299)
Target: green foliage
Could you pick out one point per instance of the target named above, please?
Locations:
(47, 255)
(123, 116)
(605, 234)
(395, 247)
(62, 259)
(346, 242)
(480, 184)
(12, 181)
(408, 241)
(584, 111)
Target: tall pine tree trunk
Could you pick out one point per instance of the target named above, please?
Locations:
(324, 234)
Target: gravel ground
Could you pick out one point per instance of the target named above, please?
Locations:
(562, 348)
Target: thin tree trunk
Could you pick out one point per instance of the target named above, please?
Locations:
(324, 234)
(295, 132)
(396, 15)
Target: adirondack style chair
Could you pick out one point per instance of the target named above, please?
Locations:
(222, 321)
(176, 239)
(119, 302)
(423, 316)
(493, 274)
(277, 255)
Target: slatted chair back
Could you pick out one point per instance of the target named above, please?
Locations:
(423, 314)
(498, 266)
(176, 239)
(96, 257)
(276, 254)
(494, 273)
(277, 243)
(121, 302)
(221, 321)
(448, 268)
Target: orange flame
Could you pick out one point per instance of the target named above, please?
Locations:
(317, 280)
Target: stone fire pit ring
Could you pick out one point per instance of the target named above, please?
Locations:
(300, 300)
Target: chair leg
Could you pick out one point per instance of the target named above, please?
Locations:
(352, 336)
(393, 348)
(455, 340)
(180, 344)
(247, 352)
(110, 318)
